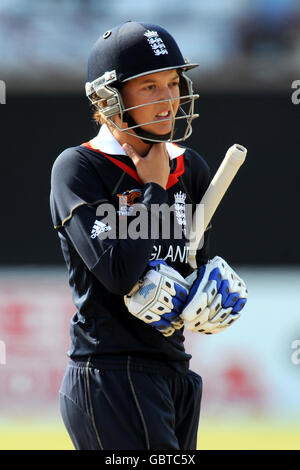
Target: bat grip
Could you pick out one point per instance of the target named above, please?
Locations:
(234, 158)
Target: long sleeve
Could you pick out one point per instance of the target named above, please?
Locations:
(77, 197)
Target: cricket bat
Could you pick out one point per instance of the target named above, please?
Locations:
(234, 158)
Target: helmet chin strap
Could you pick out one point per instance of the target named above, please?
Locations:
(143, 135)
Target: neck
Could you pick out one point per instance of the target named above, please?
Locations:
(142, 148)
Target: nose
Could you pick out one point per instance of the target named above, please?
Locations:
(167, 93)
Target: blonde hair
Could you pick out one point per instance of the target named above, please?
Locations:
(98, 117)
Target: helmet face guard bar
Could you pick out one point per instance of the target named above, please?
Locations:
(170, 137)
(108, 99)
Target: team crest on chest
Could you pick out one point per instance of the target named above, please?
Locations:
(156, 42)
(126, 201)
(180, 209)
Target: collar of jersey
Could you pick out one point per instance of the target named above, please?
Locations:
(106, 142)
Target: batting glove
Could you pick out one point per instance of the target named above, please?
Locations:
(217, 295)
(158, 299)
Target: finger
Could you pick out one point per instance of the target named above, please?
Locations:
(177, 305)
(239, 305)
(197, 322)
(229, 320)
(177, 324)
(195, 308)
(135, 157)
(216, 275)
(171, 316)
(231, 300)
(224, 290)
(221, 315)
(161, 324)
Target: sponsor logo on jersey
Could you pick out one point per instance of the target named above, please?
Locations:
(156, 43)
(99, 227)
(126, 201)
(180, 209)
(174, 253)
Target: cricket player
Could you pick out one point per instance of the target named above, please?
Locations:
(128, 385)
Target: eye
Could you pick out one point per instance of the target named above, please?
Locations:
(150, 87)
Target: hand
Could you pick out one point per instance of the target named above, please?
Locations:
(158, 299)
(154, 167)
(217, 295)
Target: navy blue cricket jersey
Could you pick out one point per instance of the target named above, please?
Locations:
(101, 269)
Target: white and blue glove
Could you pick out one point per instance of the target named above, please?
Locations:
(158, 299)
(217, 295)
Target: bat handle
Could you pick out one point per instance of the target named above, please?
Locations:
(192, 259)
(234, 158)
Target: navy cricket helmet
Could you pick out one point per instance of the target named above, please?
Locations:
(132, 50)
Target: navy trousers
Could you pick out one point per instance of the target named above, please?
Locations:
(124, 407)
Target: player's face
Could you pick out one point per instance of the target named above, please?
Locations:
(149, 88)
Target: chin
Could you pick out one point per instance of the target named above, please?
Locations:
(158, 130)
